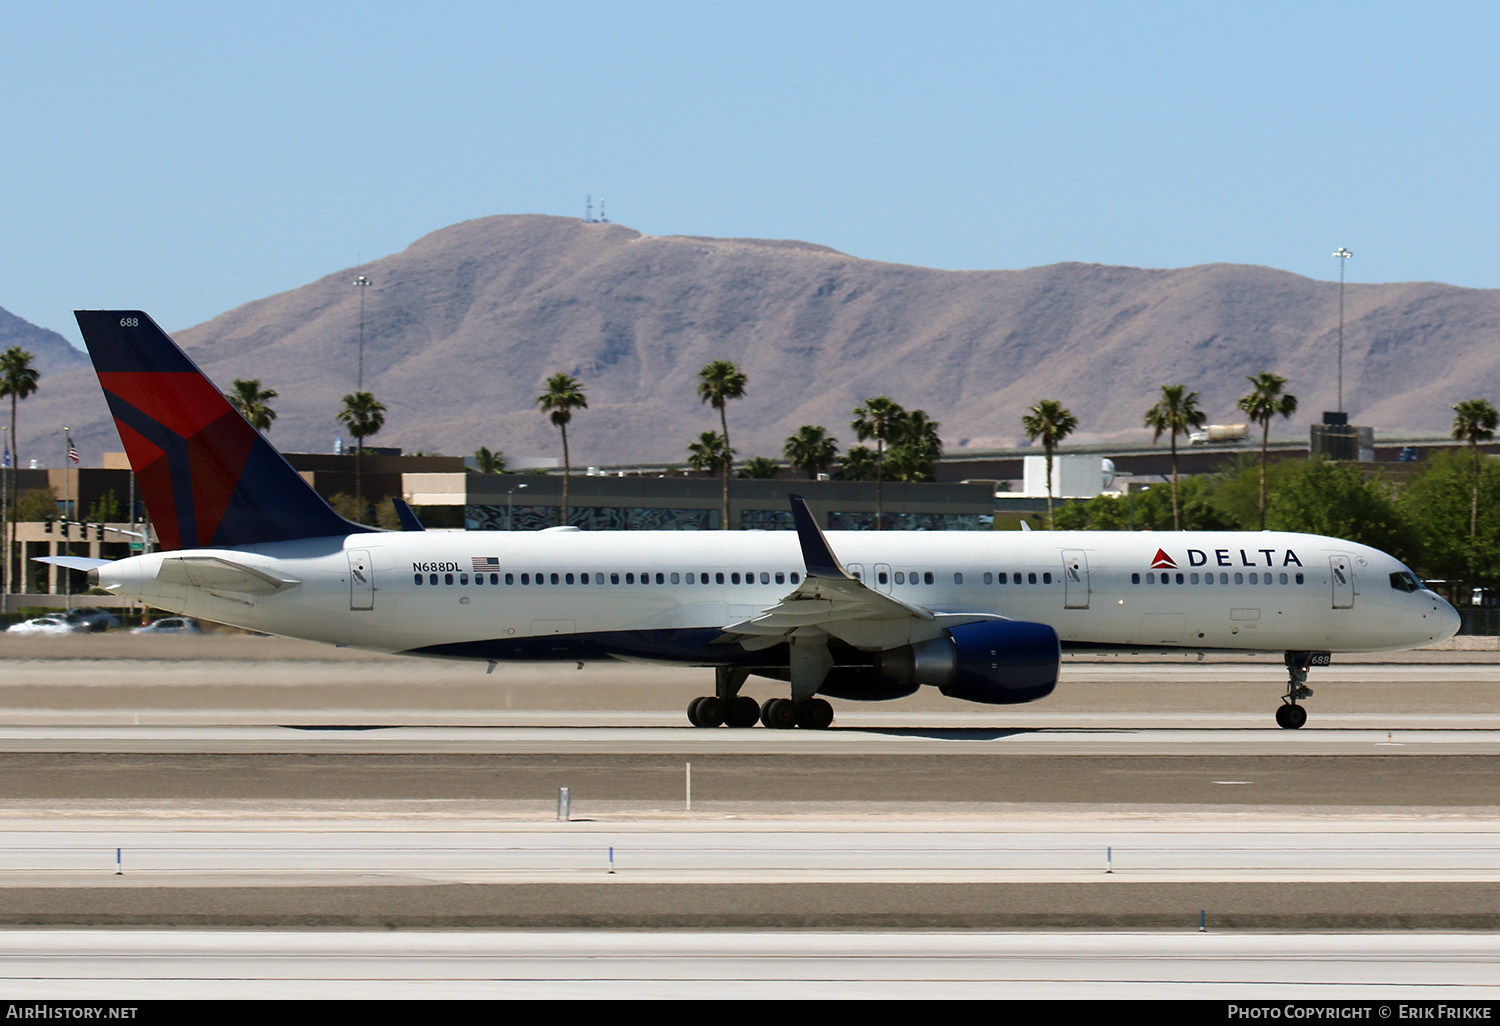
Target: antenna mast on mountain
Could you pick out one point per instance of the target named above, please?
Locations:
(602, 218)
(588, 210)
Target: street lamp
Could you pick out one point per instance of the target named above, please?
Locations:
(1343, 255)
(363, 283)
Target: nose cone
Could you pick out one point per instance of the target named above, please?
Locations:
(1448, 619)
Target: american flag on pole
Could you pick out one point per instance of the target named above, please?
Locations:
(72, 451)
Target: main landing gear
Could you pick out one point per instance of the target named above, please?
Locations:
(727, 707)
(1290, 715)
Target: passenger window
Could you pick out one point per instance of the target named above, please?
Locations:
(614, 577)
(510, 578)
(1299, 578)
(432, 578)
(958, 578)
(676, 578)
(555, 580)
(734, 578)
(630, 578)
(463, 579)
(927, 577)
(765, 577)
(1047, 579)
(989, 578)
(1193, 579)
(1255, 578)
(1015, 578)
(1135, 578)
(525, 578)
(418, 578)
(780, 577)
(882, 577)
(797, 577)
(1239, 578)
(661, 578)
(1179, 578)
(583, 578)
(1031, 577)
(1150, 578)
(1223, 578)
(900, 577)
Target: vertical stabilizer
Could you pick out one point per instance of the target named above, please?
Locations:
(208, 478)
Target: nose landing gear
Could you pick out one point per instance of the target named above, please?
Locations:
(1290, 715)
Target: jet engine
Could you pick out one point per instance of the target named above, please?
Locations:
(997, 662)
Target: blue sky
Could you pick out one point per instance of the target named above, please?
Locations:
(186, 158)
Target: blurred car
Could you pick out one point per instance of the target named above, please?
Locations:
(94, 620)
(44, 625)
(170, 625)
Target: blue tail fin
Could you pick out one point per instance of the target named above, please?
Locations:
(208, 478)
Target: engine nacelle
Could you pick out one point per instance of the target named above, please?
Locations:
(997, 662)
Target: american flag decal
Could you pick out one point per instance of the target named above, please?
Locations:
(485, 563)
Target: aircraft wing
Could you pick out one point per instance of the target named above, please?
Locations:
(72, 562)
(832, 601)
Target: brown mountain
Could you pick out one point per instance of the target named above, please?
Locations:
(463, 327)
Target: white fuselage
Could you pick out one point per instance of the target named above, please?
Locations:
(419, 591)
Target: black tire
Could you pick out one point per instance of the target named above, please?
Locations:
(711, 710)
(1290, 717)
(743, 711)
(779, 714)
(692, 712)
(814, 714)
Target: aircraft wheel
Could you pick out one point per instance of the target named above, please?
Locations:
(814, 714)
(692, 712)
(711, 711)
(1290, 717)
(743, 711)
(779, 714)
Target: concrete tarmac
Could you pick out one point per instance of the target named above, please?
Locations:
(135, 738)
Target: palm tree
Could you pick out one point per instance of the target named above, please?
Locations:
(489, 462)
(1175, 413)
(879, 418)
(707, 453)
(1265, 401)
(18, 379)
(718, 382)
(915, 448)
(363, 415)
(811, 449)
(760, 468)
(1475, 422)
(251, 400)
(1050, 421)
(564, 395)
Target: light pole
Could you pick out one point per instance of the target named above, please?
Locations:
(363, 283)
(1343, 255)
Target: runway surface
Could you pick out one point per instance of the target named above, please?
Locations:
(249, 782)
(118, 967)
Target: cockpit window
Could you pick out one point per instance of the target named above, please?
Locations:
(1405, 580)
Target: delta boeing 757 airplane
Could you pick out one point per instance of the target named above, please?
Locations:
(982, 616)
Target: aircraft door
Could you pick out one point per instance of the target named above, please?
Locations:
(361, 580)
(1075, 579)
(882, 581)
(1342, 572)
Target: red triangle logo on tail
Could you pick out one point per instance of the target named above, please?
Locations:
(1163, 561)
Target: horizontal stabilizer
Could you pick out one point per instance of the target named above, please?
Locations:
(211, 573)
(72, 562)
